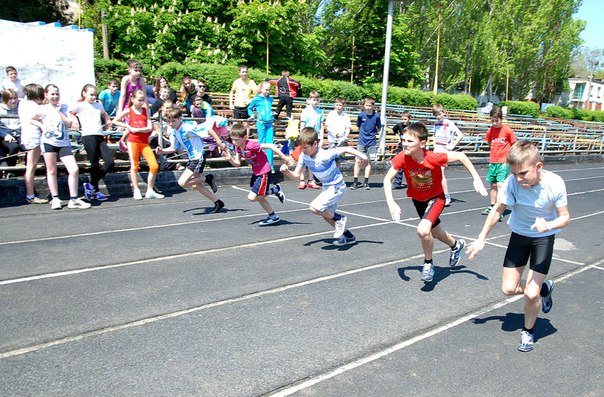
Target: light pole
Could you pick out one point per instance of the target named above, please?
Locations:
(593, 64)
(382, 144)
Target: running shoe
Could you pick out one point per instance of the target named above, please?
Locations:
(137, 195)
(342, 241)
(88, 191)
(456, 254)
(100, 196)
(547, 301)
(526, 341)
(218, 205)
(36, 200)
(78, 204)
(302, 185)
(427, 274)
(366, 186)
(212, 182)
(487, 211)
(447, 200)
(355, 185)
(151, 194)
(340, 227)
(279, 193)
(56, 204)
(272, 219)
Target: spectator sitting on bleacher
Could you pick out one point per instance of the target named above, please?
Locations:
(13, 82)
(162, 82)
(10, 129)
(202, 91)
(110, 97)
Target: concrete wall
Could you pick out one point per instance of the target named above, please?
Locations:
(49, 53)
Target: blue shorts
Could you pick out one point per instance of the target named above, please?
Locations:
(260, 184)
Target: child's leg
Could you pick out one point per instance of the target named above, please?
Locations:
(197, 182)
(262, 201)
(532, 297)
(445, 184)
(269, 136)
(357, 169)
(50, 159)
(32, 159)
(153, 166)
(74, 174)
(133, 154)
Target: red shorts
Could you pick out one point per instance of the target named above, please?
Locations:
(431, 209)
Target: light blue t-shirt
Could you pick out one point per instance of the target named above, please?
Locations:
(324, 166)
(537, 201)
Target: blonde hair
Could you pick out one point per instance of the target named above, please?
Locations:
(523, 152)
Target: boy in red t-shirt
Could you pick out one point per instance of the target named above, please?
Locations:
(500, 138)
(424, 175)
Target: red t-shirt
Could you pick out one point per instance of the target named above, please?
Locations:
(424, 181)
(501, 140)
(138, 121)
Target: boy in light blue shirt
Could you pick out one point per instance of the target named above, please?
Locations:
(539, 207)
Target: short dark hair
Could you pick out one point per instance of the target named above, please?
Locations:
(496, 112)
(238, 130)
(418, 130)
(308, 136)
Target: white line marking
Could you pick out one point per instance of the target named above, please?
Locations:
(296, 387)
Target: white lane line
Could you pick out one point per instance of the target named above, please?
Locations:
(179, 313)
(296, 387)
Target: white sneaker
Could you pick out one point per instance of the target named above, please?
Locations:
(78, 204)
(151, 194)
(447, 200)
(56, 204)
(137, 195)
(340, 227)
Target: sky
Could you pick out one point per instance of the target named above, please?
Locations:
(592, 11)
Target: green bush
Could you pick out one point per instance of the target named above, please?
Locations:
(459, 102)
(559, 112)
(521, 107)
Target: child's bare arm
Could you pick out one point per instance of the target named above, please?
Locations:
(295, 174)
(393, 207)
(461, 157)
(278, 152)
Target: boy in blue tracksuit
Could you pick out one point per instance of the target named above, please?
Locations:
(262, 106)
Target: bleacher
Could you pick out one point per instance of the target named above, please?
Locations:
(553, 137)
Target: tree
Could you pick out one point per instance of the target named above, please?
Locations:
(37, 10)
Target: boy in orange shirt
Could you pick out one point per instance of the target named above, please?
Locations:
(500, 138)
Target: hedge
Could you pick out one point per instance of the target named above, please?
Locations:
(520, 107)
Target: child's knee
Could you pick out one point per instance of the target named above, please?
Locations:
(153, 168)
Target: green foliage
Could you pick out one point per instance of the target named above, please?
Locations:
(521, 107)
(459, 102)
(559, 112)
(37, 10)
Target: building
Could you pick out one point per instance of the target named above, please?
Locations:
(586, 93)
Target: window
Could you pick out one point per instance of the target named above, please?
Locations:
(578, 92)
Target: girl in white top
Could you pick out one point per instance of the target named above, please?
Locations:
(93, 121)
(55, 144)
(30, 137)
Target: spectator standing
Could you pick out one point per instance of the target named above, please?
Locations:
(369, 124)
(287, 89)
(242, 92)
